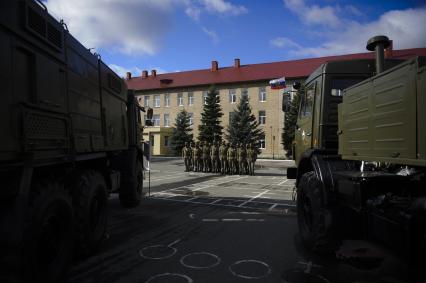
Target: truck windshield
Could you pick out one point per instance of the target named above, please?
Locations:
(339, 84)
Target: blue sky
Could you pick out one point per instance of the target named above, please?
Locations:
(179, 35)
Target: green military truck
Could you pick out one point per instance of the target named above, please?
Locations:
(70, 135)
(360, 150)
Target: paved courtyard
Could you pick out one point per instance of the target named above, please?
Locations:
(208, 228)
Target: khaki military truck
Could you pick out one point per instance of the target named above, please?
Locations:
(70, 135)
(360, 150)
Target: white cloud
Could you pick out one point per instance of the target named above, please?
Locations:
(212, 34)
(127, 26)
(283, 42)
(136, 72)
(314, 14)
(193, 12)
(121, 71)
(405, 27)
(223, 7)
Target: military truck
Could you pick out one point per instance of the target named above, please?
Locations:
(360, 151)
(70, 135)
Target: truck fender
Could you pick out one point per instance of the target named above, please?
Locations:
(317, 161)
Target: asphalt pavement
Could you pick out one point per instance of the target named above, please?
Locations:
(203, 227)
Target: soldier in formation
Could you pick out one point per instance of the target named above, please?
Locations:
(196, 157)
(232, 155)
(214, 157)
(186, 154)
(223, 151)
(251, 158)
(206, 156)
(221, 157)
(242, 159)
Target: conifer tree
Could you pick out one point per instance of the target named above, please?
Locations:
(181, 132)
(290, 120)
(243, 127)
(210, 128)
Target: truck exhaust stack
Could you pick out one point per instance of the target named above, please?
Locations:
(378, 44)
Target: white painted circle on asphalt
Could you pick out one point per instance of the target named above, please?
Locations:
(250, 261)
(199, 255)
(167, 277)
(157, 252)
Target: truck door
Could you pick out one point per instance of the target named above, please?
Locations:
(303, 133)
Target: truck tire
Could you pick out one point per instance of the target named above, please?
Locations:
(90, 199)
(130, 193)
(313, 218)
(48, 240)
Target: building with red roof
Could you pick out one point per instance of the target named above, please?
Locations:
(170, 93)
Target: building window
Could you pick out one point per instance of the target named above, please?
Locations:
(146, 100)
(262, 143)
(166, 120)
(262, 94)
(244, 92)
(180, 99)
(262, 117)
(156, 101)
(232, 96)
(166, 140)
(205, 97)
(191, 118)
(190, 98)
(167, 100)
(156, 120)
(231, 117)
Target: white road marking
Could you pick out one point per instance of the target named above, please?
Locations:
(231, 219)
(268, 269)
(210, 220)
(273, 206)
(282, 182)
(255, 197)
(182, 260)
(215, 201)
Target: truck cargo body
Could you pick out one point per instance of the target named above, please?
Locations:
(372, 184)
(70, 134)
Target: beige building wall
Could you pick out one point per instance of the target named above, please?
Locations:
(274, 121)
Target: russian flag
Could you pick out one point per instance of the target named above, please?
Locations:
(277, 83)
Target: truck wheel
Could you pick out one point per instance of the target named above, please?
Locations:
(312, 215)
(90, 199)
(48, 247)
(131, 189)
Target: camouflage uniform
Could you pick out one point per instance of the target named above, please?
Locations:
(186, 154)
(232, 159)
(251, 158)
(206, 157)
(196, 157)
(223, 150)
(242, 159)
(214, 157)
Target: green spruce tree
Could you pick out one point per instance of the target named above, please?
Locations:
(290, 120)
(210, 128)
(181, 132)
(243, 127)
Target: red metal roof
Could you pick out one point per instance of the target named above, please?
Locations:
(253, 72)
